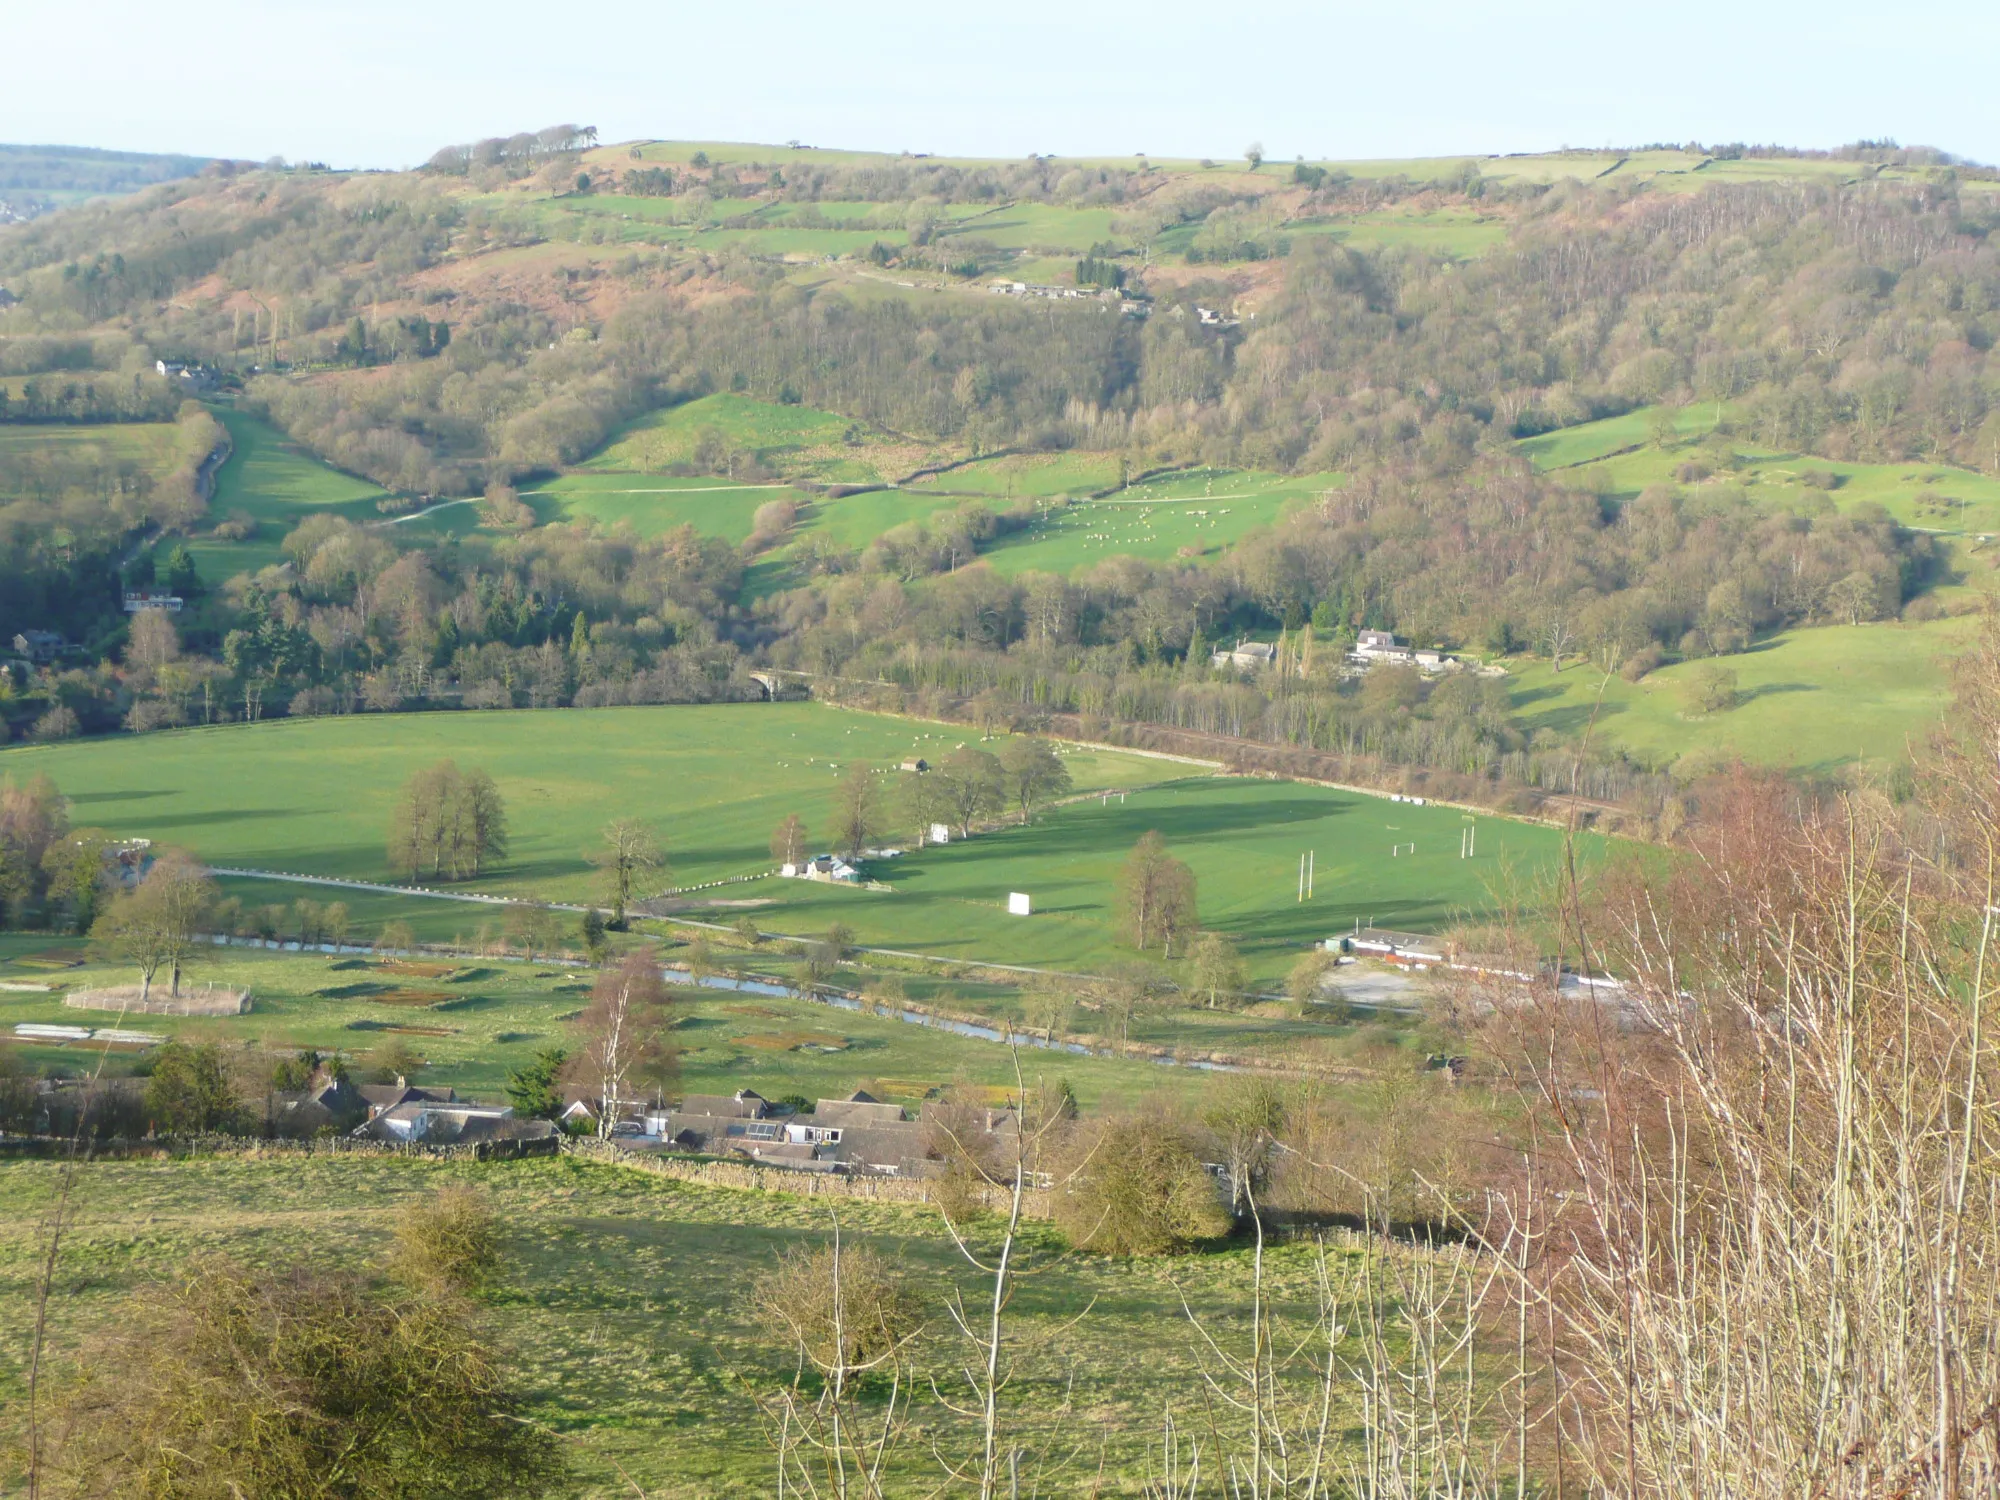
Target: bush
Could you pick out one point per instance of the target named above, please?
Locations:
(59, 723)
(1646, 659)
(294, 1384)
(1710, 689)
(877, 1313)
(449, 1241)
(1139, 1188)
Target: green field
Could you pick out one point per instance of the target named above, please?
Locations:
(653, 504)
(1194, 513)
(625, 1303)
(314, 796)
(494, 1014)
(152, 446)
(1810, 699)
(277, 485)
(1028, 476)
(796, 442)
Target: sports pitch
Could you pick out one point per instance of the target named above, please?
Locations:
(314, 797)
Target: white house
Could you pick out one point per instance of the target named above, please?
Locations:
(823, 867)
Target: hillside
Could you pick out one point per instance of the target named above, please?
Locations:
(35, 180)
(638, 418)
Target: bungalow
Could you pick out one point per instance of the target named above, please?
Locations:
(421, 1121)
(858, 1135)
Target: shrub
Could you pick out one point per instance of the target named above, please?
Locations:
(450, 1240)
(1139, 1188)
(294, 1384)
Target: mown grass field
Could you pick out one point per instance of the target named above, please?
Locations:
(1809, 699)
(151, 446)
(1243, 839)
(314, 797)
(626, 1304)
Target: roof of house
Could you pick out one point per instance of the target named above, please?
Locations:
(858, 1110)
(385, 1096)
(885, 1147)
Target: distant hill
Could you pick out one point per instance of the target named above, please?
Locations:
(37, 179)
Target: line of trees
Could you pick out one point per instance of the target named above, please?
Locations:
(448, 823)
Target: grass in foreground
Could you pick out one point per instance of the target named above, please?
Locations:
(626, 1302)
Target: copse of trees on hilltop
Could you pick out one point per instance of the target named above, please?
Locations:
(516, 154)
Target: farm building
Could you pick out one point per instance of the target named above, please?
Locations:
(916, 764)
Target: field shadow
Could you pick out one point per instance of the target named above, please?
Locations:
(1573, 718)
(120, 796)
(1771, 689)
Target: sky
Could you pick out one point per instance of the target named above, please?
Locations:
(384, 83)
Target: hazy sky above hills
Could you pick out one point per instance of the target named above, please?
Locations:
(385, 82)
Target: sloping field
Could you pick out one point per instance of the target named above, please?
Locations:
(1809, 699)
(796, 442)
(277, 485)
(1194, 513)
(653, 504)
(625, 1305)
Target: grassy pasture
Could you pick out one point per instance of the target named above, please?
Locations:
(1027, 476)
(150, 446)
(278, 485)
(653, 504)
(798, 442)
(1243, 838)
(499, 1012)
(624, 1301)
(1810, 699)
(1618, 455)
(1196, 512)
(314, 797)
